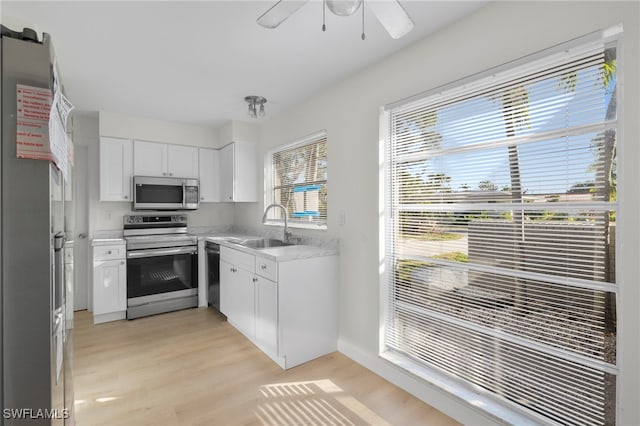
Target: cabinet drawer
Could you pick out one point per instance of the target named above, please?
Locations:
(267, 268)
(109, 252)
(238, 258)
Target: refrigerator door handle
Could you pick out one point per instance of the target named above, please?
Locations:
(58, 242)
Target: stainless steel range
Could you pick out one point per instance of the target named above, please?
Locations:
(162, 264)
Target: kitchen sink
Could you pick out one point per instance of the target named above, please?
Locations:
(265, 243)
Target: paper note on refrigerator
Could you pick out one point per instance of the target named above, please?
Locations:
(41, 126)
(32, 134)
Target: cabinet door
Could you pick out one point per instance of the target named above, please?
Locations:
(238, 298)
(267, 314)
(227, 160)
(115, 169)
(109, 287)
(245, 177)
(182, 161)
(149, 159)
(209, 175)
(245, 305)
(226, 281)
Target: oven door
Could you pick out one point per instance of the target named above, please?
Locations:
(161, 274)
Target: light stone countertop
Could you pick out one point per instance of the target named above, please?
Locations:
(279, 254)
(106, 241)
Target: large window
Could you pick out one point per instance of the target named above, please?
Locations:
(298, 180)
(500, 234)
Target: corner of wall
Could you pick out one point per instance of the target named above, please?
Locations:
(238, 131)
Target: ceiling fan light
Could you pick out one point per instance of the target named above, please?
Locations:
(343, 7)
(261, 110)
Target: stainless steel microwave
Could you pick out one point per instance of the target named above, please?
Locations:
(165, 193)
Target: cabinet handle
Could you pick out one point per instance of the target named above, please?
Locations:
(201, 198)
(109, 252)
(231, 197)
(263, 266)
(125, 197)
(164, 174)
(255, 280)
(122, 263)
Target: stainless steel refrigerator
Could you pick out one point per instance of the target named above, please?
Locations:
(35, 345)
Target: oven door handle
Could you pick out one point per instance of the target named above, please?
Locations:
(161, 252)
(184, 194)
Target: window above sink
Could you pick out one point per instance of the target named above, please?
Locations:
(296, 177)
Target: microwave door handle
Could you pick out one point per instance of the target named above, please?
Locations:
(184, 193)
(161, 252)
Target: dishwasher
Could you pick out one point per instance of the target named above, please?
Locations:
(213, 273)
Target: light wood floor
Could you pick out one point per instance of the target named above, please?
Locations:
(192, 367)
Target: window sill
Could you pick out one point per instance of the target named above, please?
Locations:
(475, 396)
(297, 225)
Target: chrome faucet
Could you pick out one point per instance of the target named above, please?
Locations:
(287, 234)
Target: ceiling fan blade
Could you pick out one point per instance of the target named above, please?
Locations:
(392, 16)
(279, 12)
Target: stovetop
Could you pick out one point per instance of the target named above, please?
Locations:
(138, 242)
(157, 231)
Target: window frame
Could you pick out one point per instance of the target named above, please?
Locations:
(269, 185)
(490, 402)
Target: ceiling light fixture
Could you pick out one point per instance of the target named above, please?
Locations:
(256, 105)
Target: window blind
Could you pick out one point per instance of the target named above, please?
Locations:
(299, 180)
(500, 234)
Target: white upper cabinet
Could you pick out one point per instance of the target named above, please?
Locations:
(160, 159)
(115, 169)
(226, 175)
(149, 159)
(238, 172)
(209, 175)
(182, 161)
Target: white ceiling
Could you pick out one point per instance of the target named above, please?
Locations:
(193, 62)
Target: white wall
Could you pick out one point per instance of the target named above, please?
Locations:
(498, 33)
(130, 127)
(237, 131)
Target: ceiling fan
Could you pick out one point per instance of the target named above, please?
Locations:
(390, 13)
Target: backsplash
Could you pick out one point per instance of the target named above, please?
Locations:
(117, 233)
(215, 229)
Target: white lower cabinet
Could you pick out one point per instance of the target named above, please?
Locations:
(288, 309)
(109, 282)
(237, 302)
(266, 314)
